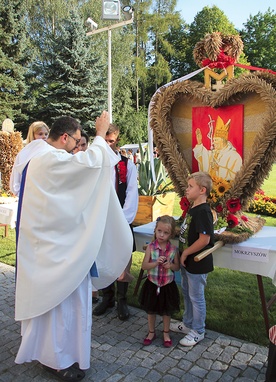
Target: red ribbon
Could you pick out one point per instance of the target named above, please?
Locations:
(223, 60)
(249, 67)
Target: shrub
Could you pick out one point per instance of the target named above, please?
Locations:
(263, 204)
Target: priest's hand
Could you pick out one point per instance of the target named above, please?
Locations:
(102, 124)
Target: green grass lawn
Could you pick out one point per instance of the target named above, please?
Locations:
(232, 298)
(233, 302)
(269, 184)
(7, 247)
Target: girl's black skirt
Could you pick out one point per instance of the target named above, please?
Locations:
(165, 303)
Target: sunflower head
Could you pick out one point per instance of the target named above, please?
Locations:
(221, 186)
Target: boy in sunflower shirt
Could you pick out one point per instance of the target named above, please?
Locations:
(196, 235)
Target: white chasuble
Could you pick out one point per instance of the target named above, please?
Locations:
(70, 218)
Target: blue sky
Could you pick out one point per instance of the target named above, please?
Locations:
(237, 11)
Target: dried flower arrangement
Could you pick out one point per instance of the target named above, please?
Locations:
(10, 145)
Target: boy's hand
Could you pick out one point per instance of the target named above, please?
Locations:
(183, 258)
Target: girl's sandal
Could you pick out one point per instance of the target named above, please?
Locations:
(147, 341)
(167, 343)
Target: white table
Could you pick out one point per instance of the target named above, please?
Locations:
(263, 241)
(8, 213)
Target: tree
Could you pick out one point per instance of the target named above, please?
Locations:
(177, 37)
(14, 56)
(73, 79)
(162, 19)
(208, 20)
(259, 37)
(142, 24)
(123, 79)
(42, 20)
(133, 129)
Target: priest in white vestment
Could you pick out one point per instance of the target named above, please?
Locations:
(70, 221)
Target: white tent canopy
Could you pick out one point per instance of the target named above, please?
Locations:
(133, 146)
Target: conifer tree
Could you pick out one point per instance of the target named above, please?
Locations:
(73, 78)
(13, 60)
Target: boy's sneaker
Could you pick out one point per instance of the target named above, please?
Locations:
(179, 327)
(192, 338)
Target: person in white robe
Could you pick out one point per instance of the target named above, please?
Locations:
(70, 220)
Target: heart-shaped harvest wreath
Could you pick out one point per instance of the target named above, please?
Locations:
(256, 92)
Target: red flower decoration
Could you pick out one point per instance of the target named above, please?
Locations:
(219, 208)
(122, 170)
(185, 205)
(232, 221)
(233, 205)
(244, 218)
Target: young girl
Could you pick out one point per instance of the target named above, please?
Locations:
(159, 293)
(37, 130)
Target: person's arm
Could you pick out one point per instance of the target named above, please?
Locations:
(131, 202)
(102, 124)
(176, 262)
(15, 179)
(197, 246)
(175, 265)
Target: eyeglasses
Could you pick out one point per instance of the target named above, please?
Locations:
(75, 139)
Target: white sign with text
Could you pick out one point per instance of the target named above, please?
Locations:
(250, 253)
(4, 211)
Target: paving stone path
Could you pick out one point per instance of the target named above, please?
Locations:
(118, 354)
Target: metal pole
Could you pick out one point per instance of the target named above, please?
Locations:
(109, 77)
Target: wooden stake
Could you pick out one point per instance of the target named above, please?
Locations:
(205, 253)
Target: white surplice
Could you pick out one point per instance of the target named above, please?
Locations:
(70, 218)
(34, 148)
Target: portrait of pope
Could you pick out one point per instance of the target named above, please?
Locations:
(222, 158)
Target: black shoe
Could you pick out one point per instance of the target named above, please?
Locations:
(71, 374)
(123, 313)
(103, 306)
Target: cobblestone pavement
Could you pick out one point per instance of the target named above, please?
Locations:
(118, 354)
